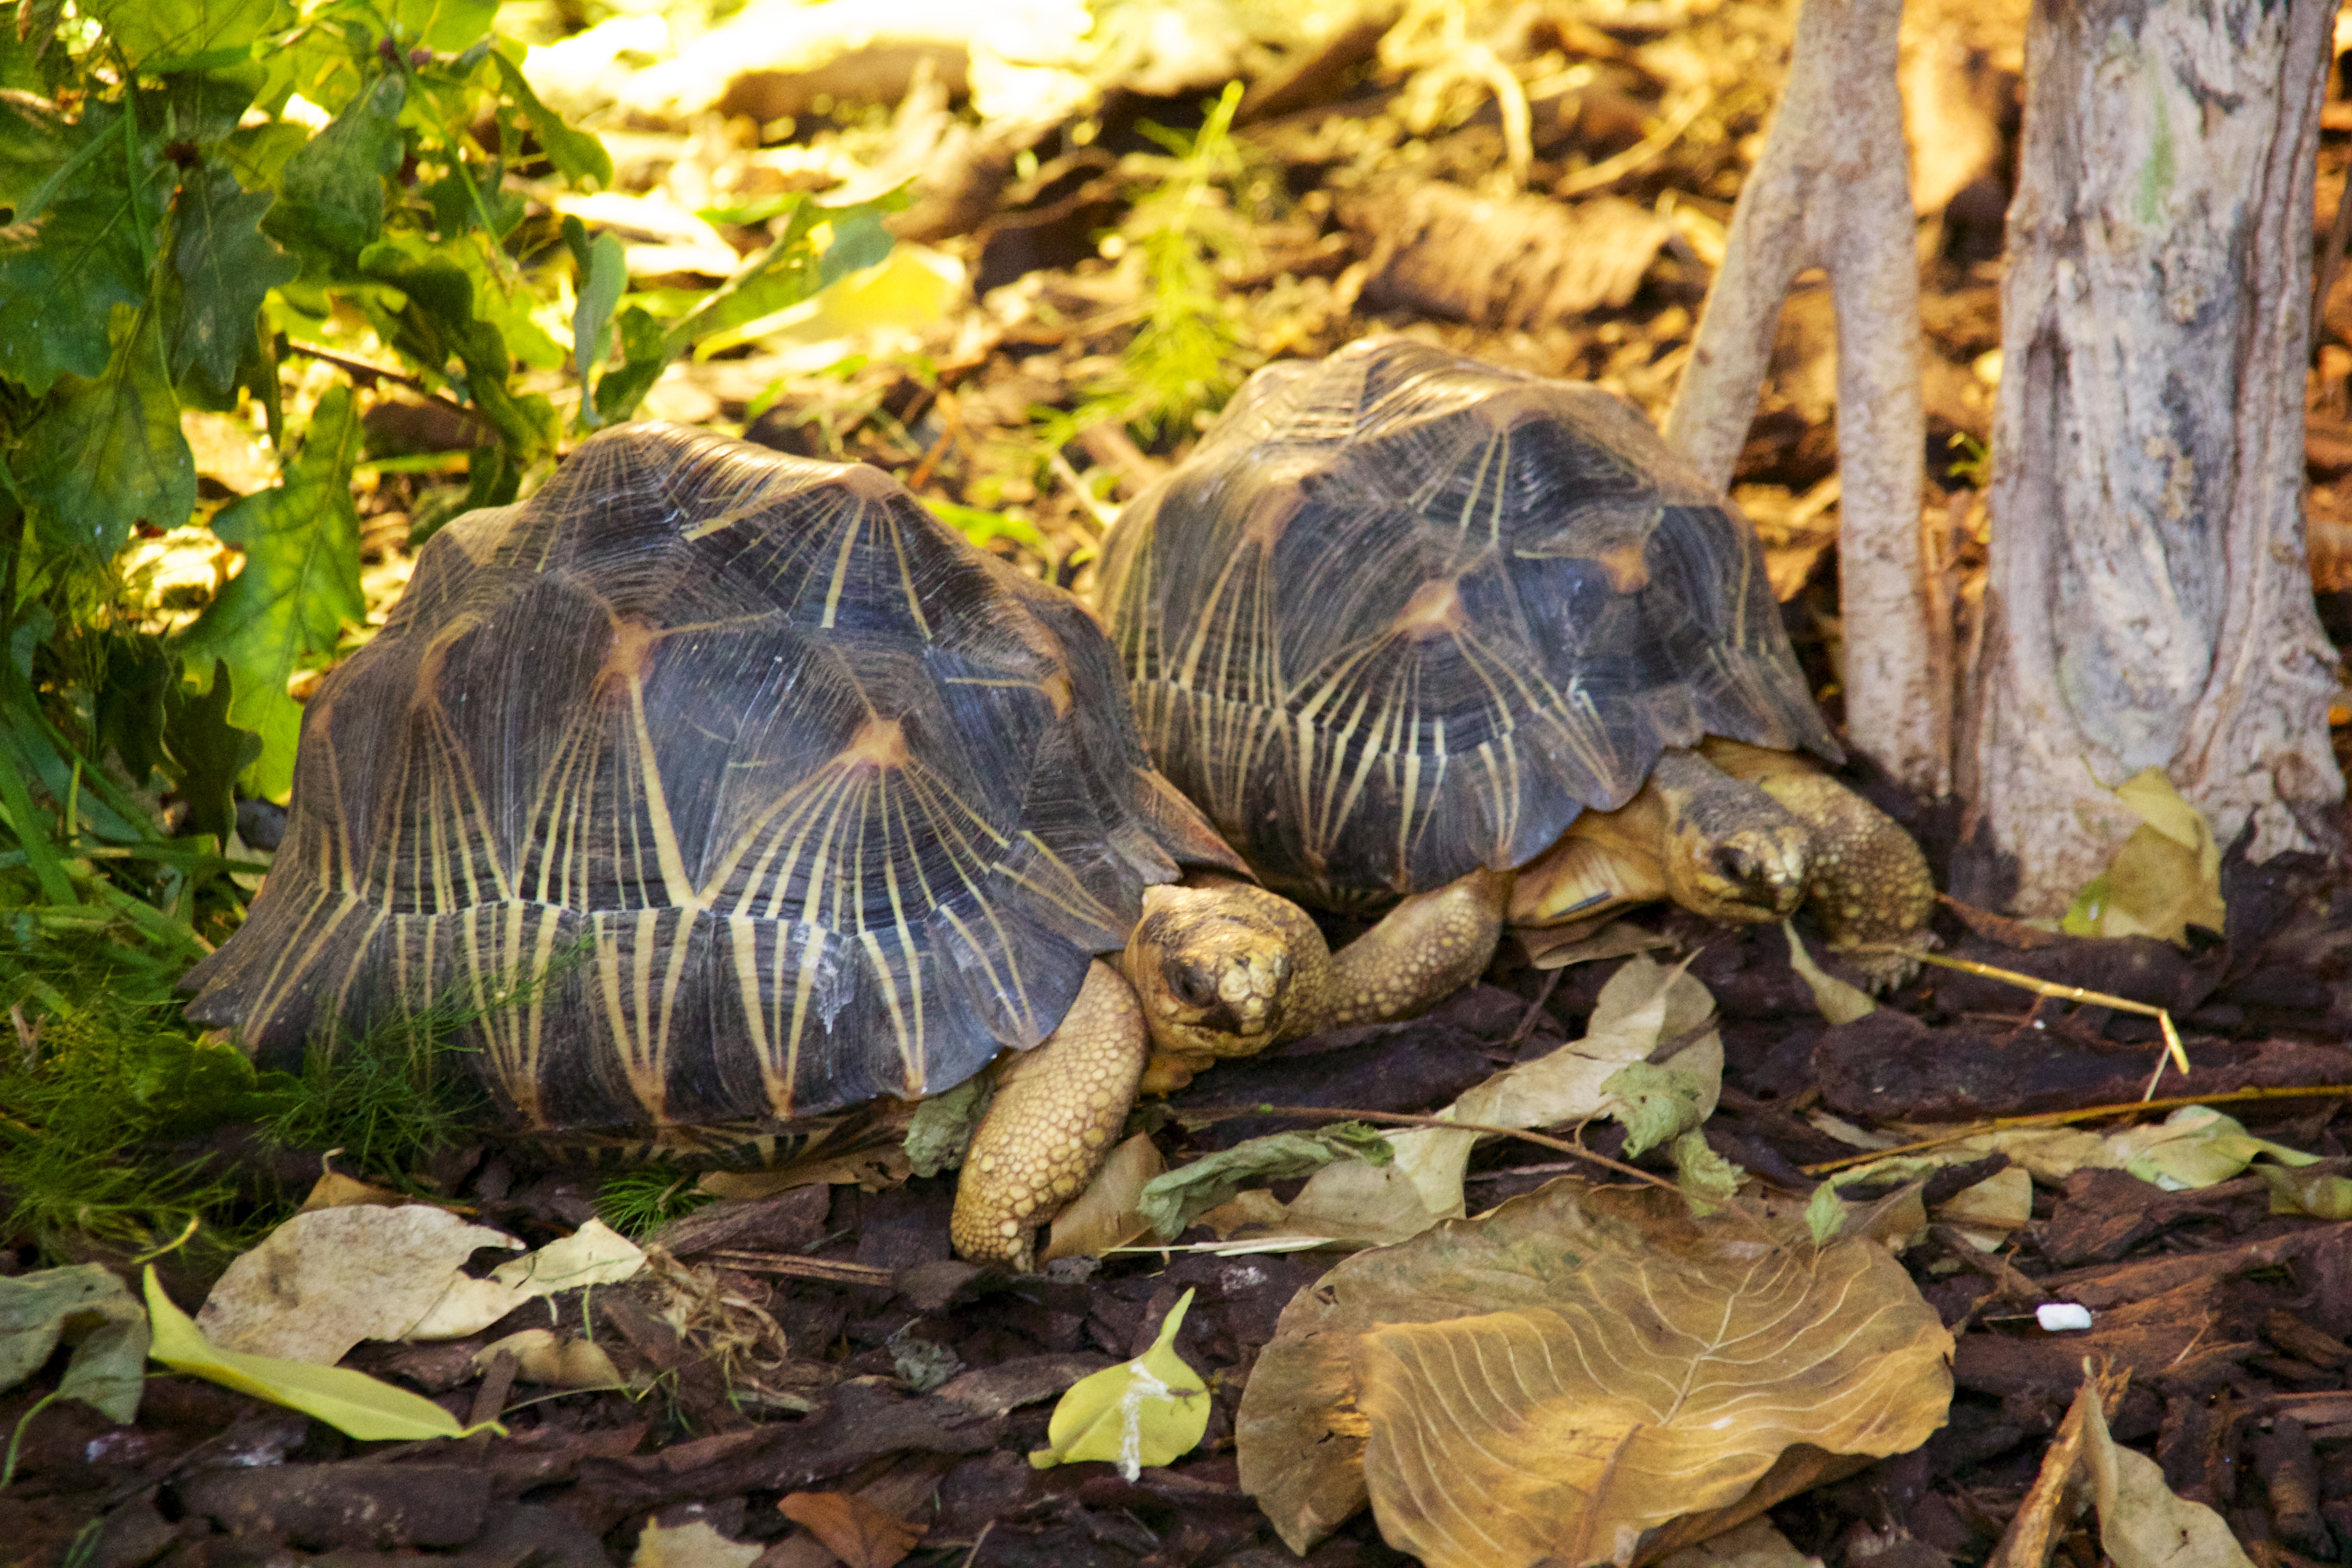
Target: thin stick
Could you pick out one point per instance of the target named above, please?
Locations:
(1400, 1119)
(2052, 989)
(2086, 1113)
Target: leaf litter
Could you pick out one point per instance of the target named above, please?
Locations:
(766, 1366)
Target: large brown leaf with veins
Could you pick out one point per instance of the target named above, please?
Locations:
(1556, 1378)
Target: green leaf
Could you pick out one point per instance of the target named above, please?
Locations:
(226, 265)
(130, 705)
(440, 322)
(1150, 1411)
(80, 247)
(646, 346)
(108, 453)
(445, 27)
(577, 157)
(353, 1403)
(604, 273)
(859, 240)
(84, 1306)
(1707, 1180)
(61, 277)
(299, 585)
(160, 36)
(1824, 1213)
(1657, 1103)
(204, 106)
(1175, 1200)
(36, 142)
(333, 187)
(208, 753)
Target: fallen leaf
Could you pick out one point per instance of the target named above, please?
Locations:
(1756, 1544)
(1642, 1004)
(1833, 999)
(2143, 1522)
(1578, 943)
(353, 1403)
(1148, 1411)
(84, 1306)
(1575, 1368)
(336, 1191)
(2323, 1193)
(2165, 877)
(693, 1544)
(1172, 1202)
(326, 1279)
(1107, 1214)
(549, 1359)
(2000, 1205)
(872, 1169)
(860, 1534)
(2196, 1146)
(595, 1254)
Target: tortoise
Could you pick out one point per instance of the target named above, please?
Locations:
(1410, 627)
(834, 808)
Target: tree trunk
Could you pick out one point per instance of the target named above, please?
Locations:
(1832, 190)
(2149, 603)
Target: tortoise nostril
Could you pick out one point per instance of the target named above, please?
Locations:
(1737, 865)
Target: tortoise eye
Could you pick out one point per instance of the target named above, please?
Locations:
(1737, 865)
(1192, 987)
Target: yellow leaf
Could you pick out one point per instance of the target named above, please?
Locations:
(1142, 1412)
(2165, 877)
(353, 1403)
(1833, 999)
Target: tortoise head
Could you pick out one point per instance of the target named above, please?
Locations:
(1753, 872)
(1226, 969)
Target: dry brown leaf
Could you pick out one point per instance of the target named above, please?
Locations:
(860, 1534)
(1576, 1368)
(1104, 1215)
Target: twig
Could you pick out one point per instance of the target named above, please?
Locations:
(1400, 1119)
(1102, 516)
(840, 1273)
(2054, 990)
(2085, 1113)
(399, 378)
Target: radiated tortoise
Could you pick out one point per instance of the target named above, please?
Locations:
(1410, 627)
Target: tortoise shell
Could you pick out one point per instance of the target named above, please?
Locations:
(827, 803)
(1403, 614)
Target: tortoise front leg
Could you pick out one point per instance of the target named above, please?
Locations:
(1058, 1108)
(1422, 951)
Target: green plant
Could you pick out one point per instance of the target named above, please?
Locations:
(194, 193)
(1187, 355)
(638, 1201)
(93, 1101)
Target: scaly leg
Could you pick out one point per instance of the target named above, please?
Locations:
(1428, 947)
(1058, 1110)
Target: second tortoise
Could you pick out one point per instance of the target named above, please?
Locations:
(1411, 628)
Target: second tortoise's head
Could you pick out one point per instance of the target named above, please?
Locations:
(1751, 871)
(1225, 970)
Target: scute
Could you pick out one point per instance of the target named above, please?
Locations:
(1403, 614)
(799, 799)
